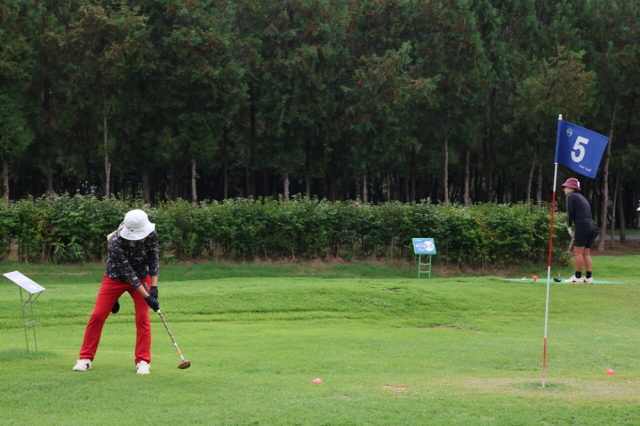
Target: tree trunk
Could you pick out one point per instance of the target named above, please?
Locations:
(530, 181)
(477, 183)
(621, 219)
(225, 165)
(174, 184)
(49, 166)
(445, 174)
(5, 180)
(307, 169)
(605, 180)
(253, 128)
(225, 176)
(146, 190)
(107, 165)
(89, 175)
(613, 210)
(539, 189)
(488, 151)
(488, 175)
(414, 173)
(46, 105)
(332, 179)
(396, 184)
(364, 186)
(388, 186)
(251, 176)
(194, 194)
(467, 177)
(407, 197)
(247, 174)
(285, 177)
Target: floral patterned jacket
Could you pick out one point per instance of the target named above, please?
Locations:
(131, 261)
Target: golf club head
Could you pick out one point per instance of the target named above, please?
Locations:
(184, 365)
(557, 280)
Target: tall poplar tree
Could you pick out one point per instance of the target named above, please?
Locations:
(14, 68)
(99, 47)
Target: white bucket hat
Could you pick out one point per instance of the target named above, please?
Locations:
(136, 225)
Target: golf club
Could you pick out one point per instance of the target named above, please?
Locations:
(185, 362)
(564, 261)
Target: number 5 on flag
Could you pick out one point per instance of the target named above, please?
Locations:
(580, 148)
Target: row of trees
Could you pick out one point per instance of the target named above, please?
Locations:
(456, 100)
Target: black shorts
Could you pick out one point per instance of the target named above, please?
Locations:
(586, 234)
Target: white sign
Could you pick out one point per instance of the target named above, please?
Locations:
(24, 282)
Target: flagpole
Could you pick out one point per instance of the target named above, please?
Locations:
(553, 208)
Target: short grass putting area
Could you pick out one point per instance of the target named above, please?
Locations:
(389, 351)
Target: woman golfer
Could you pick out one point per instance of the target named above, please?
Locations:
(579, 212)
(133, 260)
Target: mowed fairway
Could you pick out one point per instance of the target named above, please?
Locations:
(457, 351)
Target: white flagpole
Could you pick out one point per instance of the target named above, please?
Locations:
(553, 208)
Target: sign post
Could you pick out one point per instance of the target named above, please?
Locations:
(426, 247)
(34, 289)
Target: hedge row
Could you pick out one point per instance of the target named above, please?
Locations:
(63, 228)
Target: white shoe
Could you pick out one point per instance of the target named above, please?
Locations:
(143, 367)
(588, 280)
(573, 279)
(82, 365)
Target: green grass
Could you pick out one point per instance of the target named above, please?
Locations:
(91, 272)
(390, 351)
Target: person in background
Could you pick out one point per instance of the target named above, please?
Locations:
(586, 231)
(132, 267)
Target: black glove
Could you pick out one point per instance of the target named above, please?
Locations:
(116, 307)
(152, 302)
(153, 292)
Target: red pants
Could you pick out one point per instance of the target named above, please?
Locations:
(110, 292)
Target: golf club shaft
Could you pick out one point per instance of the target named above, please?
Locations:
(168, 331)
(566, 257)
(171, 335)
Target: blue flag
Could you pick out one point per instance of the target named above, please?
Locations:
(579, 149)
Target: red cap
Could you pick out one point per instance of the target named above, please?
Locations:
(572, 183)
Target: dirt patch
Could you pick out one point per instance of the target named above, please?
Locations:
(451, 328)
(396, 388)
(620, 248)
(440, 328)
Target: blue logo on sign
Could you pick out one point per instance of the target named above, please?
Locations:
(569, 132)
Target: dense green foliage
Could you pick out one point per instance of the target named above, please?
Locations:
(452, 100)
(75, 228)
